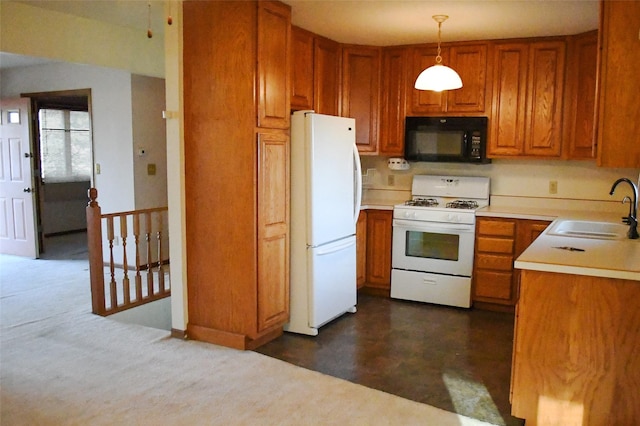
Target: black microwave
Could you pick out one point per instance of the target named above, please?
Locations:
(446, 139)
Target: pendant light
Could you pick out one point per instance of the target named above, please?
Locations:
(438, 77)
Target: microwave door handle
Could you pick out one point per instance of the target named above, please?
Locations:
(465, 142)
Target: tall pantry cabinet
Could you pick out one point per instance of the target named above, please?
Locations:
(236, 131)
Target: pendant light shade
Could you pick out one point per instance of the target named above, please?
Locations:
(438, 77)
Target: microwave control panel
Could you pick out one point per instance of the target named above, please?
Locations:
(475, 145)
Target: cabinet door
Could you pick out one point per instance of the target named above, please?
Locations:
(379, 248)
(274, 47)
(360, 93)
(361, 249)
(273, 229)
(509, 99)
(301, 69)
(527, 232)
(580, 96)
(393, 102)
(545, 85)
(470, 62)
(326, 76)
(619, 104)
(425, 101)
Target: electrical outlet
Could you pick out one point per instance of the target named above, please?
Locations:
(391, 180)
(553, 187)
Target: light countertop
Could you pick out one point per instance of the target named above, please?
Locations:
(379, 204)
(601, 258)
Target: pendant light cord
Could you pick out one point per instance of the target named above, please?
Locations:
(439, 58)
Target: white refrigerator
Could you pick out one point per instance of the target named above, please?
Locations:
(326, 188)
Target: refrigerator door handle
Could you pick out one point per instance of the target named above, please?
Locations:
(358, 183)
(340, 247)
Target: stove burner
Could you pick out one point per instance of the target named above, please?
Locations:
(462, 204)
(422, 202)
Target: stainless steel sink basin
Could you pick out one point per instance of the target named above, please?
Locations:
(589, 229)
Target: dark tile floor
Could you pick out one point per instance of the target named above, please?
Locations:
(455, 359)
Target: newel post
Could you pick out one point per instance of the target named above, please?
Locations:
(94, 242)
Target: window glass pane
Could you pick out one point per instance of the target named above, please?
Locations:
(65, 145)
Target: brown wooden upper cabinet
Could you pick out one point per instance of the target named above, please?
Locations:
(326, 76)
(274, 46)
(301, 69)
(361, 93)
(469, 60)
(528, 85)
(619, 105)
(393, 101)
(580, 97)
(315, 71)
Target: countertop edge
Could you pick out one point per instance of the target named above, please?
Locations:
(577, 270)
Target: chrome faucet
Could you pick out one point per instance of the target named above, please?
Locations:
(632, 219)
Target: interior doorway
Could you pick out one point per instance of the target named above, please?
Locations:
(63, 164)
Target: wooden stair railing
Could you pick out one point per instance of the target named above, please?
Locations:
(150, 267)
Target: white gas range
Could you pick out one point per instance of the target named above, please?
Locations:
(433, 239)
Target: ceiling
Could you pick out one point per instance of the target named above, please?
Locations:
(373, 22)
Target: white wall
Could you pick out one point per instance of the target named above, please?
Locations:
(111, 115)
(149, 133)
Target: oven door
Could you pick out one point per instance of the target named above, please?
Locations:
(441, 248)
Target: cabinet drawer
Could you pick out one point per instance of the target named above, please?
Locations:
(493, 285)
(495, 245)
(501, 228)
(492, 261)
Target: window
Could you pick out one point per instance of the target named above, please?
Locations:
(65, 145)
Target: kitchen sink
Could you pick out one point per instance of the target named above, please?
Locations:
(589, 229)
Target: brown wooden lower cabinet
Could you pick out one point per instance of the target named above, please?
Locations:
(499, 241)
(377, 279)
(576, 357)
(361, 250)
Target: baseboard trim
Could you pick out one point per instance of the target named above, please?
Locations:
(179, 334)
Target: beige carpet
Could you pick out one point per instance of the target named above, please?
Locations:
(61, 365)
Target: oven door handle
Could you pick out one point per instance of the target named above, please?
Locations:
(436, 227)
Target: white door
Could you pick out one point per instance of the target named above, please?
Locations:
(331, 174)
(333, 280)
(17, 214)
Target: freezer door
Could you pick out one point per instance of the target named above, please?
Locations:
(332, 280)
(330, 185)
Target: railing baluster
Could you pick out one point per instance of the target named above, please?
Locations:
(125, 265)
(161, 288)
(149, 227)
(112, 283)
(136, 236)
